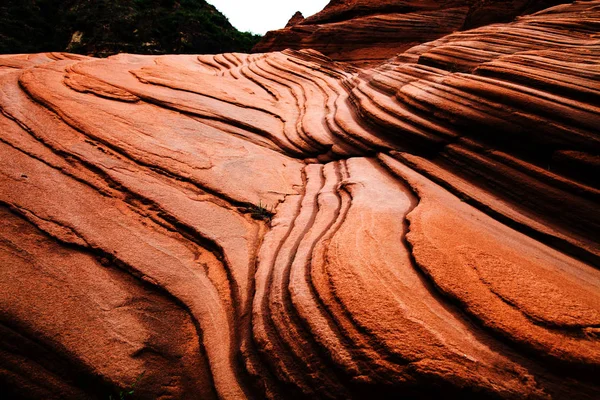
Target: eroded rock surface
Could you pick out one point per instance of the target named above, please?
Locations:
(281, 225)
(368, 31)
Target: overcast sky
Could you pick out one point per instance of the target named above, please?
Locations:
(260, 16)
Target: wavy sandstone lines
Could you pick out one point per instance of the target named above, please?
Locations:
(495, 115)
(280, 225)
(368, 32)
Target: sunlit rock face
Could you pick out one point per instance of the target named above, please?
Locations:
(280, 225)
(366, 32)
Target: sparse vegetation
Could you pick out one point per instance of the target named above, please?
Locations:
(124, 394)
(260, 212)
(106, 27)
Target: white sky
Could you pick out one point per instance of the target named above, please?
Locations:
(260, 16)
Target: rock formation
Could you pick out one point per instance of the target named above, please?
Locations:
(368, 32)
(280, 225)
(296, 19)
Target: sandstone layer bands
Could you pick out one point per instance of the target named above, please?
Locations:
(280, 225)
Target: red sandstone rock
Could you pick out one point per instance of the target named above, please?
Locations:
(280, 225)
(367, 32)
(295, 20)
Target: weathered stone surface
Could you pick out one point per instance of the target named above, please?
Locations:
(295, 20)
(367, 31)
(281, 225)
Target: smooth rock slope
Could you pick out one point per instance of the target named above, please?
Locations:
(280, 225)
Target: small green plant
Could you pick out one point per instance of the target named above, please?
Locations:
(124, 394)
(260, 212)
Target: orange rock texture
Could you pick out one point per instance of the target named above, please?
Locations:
(370, 31)
(281, 225)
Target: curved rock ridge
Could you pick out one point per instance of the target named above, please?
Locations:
(495, 95)
(367, 32)
(281, 225)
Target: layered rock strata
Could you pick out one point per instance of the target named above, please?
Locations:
(367, 32)
(280, 225)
